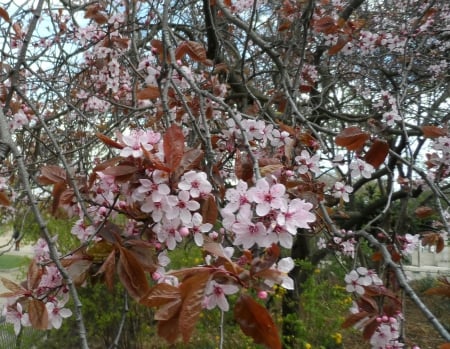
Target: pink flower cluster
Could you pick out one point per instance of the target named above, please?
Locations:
(357, 279)
(263, 214)
(50, 290)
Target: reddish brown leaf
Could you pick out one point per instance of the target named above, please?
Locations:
(256, 322)
(4, 15)
(423, 211)
(158, 48)
(342, 41)
(58, 190)
(216, 250)
(149, 92)
(120, 170)
(208, 209)
(325, 25)
(238, 167)
(444, 346)
(160, 294)
(193, 294)
(370, 328)
(153, 161)
(433, 131)
(34, 275)
(17, 27)
(191, 160)
(285, 25)
(352, 138)
(144, 253)
(430, 238)
(100, 250)
(13, 287)
(169, 329)
(380, 291)
(4, 200)
(440, 244)
(78, 269)
(95, 12)
(173, 146)
(377, 153)
(267, 260)
(368, 304)
(132, 275)
(3, 91)
(289, 129)
(38, 314)
(169, 310)
(52, 174)
(270, 169)
(439, 290)
(193, 49)
(354, 319)
(377, 256)
(108, 141)
(107, 269)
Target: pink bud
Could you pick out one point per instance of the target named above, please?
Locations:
(156, 276)
(289, 173)
(385, 318)
(184, 231)
(262, 294)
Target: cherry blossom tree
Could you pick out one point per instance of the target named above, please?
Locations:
(250, 129)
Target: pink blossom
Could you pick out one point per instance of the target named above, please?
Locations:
(196, 183)
(136, 140)
(359, 167)
(167, 232)
(19, 119)
(278, 138)
(284, 266)
(340, 190)
(237, 197)
(321, 243)
(391, 117)
(198, 228)
(308, 163)
(267, 197)
(154, 189)
(356, 282)
(296, 215)
(249, 233)
(82, 231)
(409, 243)
(41, 250)
(51, 278)
(56, 313)
(254, 128)
(156, 207)
(181, 206)
(281, 235)
(16, 316)
(386, 336)
(216, 295)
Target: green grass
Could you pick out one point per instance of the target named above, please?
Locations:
(11, 262)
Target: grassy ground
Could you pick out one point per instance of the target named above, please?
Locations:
(11, 261)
